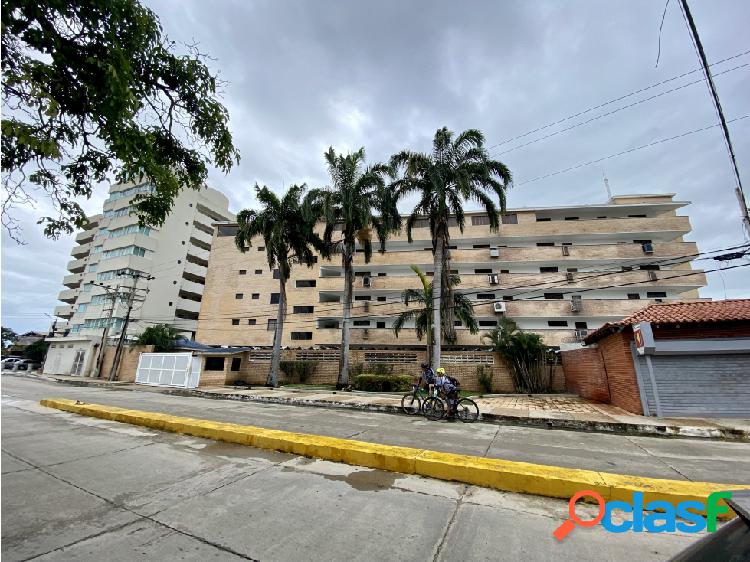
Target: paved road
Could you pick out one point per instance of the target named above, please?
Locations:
(77, 488)
(658, 457)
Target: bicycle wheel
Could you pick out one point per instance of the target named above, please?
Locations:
(467, 410)
(433, 408)
(411, 404)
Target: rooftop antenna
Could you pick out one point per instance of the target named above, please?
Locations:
(606, 186)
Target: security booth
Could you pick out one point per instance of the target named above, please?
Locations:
(70, 355)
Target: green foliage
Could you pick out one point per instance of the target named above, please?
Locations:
(299, 370)
(356, 369)
(421, 314)
(383, 383)
(484, 375)
(9, 336)
(93, 89)
(36, 351)
(161, 336)
(525, 354)
(378, 368)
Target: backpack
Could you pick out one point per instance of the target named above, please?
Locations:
(454, 381)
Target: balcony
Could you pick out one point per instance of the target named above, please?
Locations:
(81, 250)
(76, 266)
(194, 272)
(68, 295)
(65, 311)
(86, 236)
(189, 306)
(73, 280)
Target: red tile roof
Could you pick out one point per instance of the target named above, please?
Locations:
(681, 313)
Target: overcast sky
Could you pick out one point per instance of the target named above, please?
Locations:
(386, 74)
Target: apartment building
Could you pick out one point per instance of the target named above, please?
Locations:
(556, 271)
(114, 251)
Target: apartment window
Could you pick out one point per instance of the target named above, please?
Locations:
(656, 295)
(505, 271)
(275, 273)
(226, 230)
(642, 242)
(480, 220)
(510, 218)
(483, 271)
(487, 323)
(301, 335)
(235, 321)
(304, 309)
(557, 323)
(258, 272)
(649, 267)
(548, 269)
(87, 287)
(382, 274)
(421, 223)
(481, 246)
(236, 362)
(456, 322)
(542, 244)
(303, 283)
(507, 297)
(543, 219)
(582, 325)
(572, 270)
(553, 296)
(361, 322)
(485, 296)
(381, 324)
(381, 299)
(251, 322)
(261, 248)
(566, 244)
(239, 296)
(243, 271)
(636, 216)
(93, 267)
(634, 296)
(214, 364)
(362, 298)
(274, 298)
(255, 296)
(82, 307)
(626, 268)
(271, 325)
(572, 218)
(363, 274)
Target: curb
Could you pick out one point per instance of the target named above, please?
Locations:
(511, 476)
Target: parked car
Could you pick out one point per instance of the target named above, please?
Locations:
(9, 361)
(26, 365)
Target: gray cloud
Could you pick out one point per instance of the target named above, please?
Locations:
(384, 75)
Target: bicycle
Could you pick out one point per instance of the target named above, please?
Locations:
(413, 402)
(467, 410)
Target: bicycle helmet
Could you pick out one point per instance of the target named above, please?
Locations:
(440, 371)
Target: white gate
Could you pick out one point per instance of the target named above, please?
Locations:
(166, 369)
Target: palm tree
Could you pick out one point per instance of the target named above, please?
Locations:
(457, 170)
(287, 229)
(422, 315)
(357, 202)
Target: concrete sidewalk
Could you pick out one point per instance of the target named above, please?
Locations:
(558, 411)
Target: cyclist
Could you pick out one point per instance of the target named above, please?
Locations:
(450, 387)
(427, 377)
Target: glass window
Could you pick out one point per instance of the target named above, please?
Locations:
(480, 220)
(301, 335)
(510, 218)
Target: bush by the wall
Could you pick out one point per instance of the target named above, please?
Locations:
(300, 370)
(383, 383)
(484, 375)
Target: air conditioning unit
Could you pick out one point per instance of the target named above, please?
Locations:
(566, 250)
(569, 277)
(495, 252)
(575, 304)
(648, 248)
(652, 275)
(499, 307)
(366, 281)
(366, 334)
(366, 306)
(581, 334)
(493, 279)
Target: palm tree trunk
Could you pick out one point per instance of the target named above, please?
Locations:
(346, 262)
(273, 375)
(447, 303)
(436, 299)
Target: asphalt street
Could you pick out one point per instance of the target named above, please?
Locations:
(77, 488)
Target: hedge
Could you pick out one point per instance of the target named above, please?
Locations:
(383, 383)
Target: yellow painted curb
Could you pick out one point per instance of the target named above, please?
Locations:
(512, 476)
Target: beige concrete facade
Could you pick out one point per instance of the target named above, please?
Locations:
(557, 271)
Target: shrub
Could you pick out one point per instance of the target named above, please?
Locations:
(301, 370)
(382, 383)
(484, 374)
(161, 336)
(378, 369)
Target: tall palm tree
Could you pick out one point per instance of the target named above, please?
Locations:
(357, 202)
(287, 228)
(457, 170)
(422, 314)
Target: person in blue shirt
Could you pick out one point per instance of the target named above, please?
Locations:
(427, 377)
(450, 387)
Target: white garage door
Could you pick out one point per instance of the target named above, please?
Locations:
(166, 369)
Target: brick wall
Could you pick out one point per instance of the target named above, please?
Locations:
(618, 362)
(128, 362)
(585, 373)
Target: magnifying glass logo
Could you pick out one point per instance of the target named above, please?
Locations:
(563, 530)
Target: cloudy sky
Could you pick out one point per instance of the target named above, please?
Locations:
(385, 75)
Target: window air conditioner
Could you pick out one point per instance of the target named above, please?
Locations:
(366, 281)
(566, 250)
(366, 334)
(495, 252)
(575, 304)
(493, 279)
(652, 275)
(581, 334)
(648, 248)
(569, 277)
(499, 307)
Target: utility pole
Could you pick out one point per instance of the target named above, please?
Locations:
(105, 333)
(121, 341)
